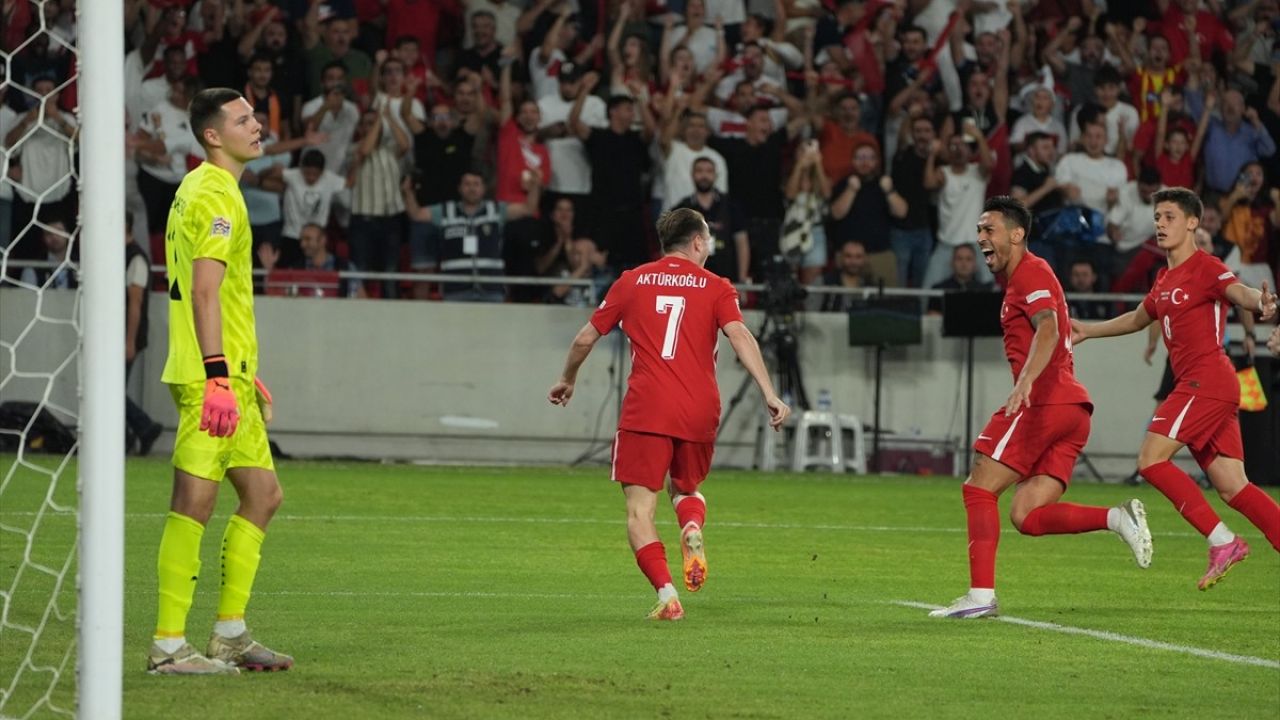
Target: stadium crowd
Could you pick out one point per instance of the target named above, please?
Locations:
(856, 139)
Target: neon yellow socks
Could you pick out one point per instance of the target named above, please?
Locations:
(178, 568)
(241, 552)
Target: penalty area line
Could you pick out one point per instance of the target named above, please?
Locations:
(1116, 637)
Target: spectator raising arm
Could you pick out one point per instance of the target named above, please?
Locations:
(576, 126)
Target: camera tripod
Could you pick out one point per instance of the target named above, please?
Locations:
(780, 344)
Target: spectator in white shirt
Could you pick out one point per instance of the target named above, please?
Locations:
(1120, 118)
(779, 55)
(547, 60)
(154, 91)
(165, 140)
(309, 192)
(1129, 220)
(1090, 178)
(570, 167)
(333, 114)
(751, 70)
(680, 154)
(703, 41)
(963, 187)
(508, 20)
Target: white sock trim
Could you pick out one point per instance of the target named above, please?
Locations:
(982, 595)
(170, 644)
(666, 593)
(1221, 535)
(229, 628)
(1114, 516)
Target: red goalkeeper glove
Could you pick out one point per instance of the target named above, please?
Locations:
(264, 399)
(219, 414)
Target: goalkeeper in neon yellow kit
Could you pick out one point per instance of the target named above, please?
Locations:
(222, 407)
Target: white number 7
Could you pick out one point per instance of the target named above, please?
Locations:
(674, 303)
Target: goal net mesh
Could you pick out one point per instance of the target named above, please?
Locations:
(40, 335)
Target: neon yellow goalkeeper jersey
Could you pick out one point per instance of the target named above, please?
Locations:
(208, 219)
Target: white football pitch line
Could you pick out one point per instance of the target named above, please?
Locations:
(1114, 637)
(566, 521)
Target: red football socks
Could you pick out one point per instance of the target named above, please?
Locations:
(1064, 519)
(1261, 510)
(652, 559)
(691, 509)
(984, 535)
(1185, 495)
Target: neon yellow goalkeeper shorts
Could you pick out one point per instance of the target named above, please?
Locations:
(198, 453)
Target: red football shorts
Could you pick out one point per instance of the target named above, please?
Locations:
(1039, 440)
(1209, 427)
(645, 459)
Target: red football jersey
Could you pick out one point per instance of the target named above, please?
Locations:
(1190, 303)
(672, 311)
(1033, 288)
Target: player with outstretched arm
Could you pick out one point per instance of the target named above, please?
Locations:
(672, 311)
(1190, 300)
(1034, 440)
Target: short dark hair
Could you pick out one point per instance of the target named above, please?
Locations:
(617, 101)
(963, 246)
(206, 109)
(483, 13)
(855, 241)
(175, 49)
(677, 227)
(914, 29)
(1107, 75)
(703, 159)
(1084, 261)
(261, 57)
(1036, 136)
(1015, 213)
(764, 21)
(845, 95)
(333, 64)
(406, 39)
(1149, 175)
(1186, 200)
(312, 158)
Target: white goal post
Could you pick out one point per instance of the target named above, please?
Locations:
(101, 541)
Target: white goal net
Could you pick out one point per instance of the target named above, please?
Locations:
(50, 281)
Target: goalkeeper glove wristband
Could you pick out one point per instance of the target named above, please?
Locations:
(218, 415)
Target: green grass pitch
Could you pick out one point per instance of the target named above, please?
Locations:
(459, 592)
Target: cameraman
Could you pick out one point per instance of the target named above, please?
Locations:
(730, 249)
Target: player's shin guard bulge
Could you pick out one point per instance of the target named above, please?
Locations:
(178, 569)
(983, 511)
(1262, 511)
(1183, 492)
(241, 553)
(652, 559)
